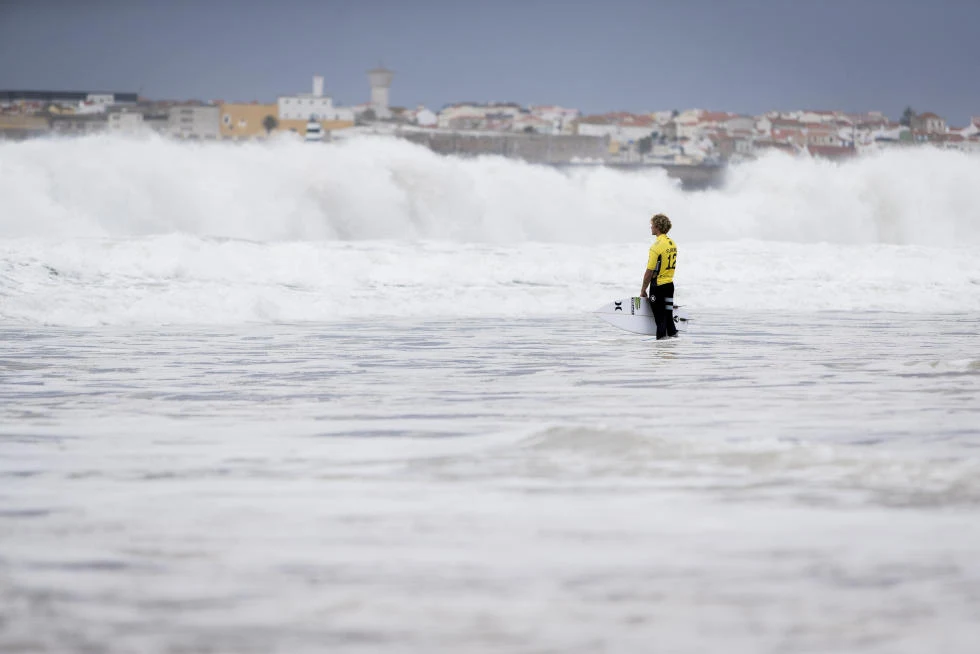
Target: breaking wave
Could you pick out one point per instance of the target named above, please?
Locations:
(382, 188)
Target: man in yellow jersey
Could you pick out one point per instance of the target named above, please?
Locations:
(660, 271)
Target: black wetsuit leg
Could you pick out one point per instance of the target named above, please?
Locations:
(663, 310)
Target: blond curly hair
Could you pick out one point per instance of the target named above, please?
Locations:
(661, 222)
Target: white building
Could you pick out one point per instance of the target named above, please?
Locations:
(452, 114)
(380, 79)
(95, 103)
(622, 129)
(561, 118)
(426, 117)
(529, 123)
(596, 126)
(305, 106)
(126, 122)
(685, 125)
(739, 124)
(194, 122)
(928, 123)
(810, 116)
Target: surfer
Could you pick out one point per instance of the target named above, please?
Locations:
(660, 271)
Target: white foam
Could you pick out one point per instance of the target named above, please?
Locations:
(187, 279)
(112, 231)
(390, 189)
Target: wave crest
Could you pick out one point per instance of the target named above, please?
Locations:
(376, 188)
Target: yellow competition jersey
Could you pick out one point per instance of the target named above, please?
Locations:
(663, 259)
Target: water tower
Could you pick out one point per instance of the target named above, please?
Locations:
(380, 81)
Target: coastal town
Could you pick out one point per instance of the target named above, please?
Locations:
(538, 133)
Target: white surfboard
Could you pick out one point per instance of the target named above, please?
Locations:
(635, 314)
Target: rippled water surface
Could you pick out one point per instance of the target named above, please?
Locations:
(806, 483)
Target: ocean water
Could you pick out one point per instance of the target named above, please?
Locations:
(285, 398)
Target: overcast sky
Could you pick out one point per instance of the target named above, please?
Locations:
(747, 56)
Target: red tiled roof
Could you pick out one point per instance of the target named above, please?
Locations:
(627, 119)
(637, 121)
(928, 114)
(715, 117)
(783, 134)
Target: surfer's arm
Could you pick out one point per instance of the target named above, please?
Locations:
(647, 278)
(653, 269)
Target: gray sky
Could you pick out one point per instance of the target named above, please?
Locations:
(744, 55)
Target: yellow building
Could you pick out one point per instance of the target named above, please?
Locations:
(299, 126)
(246, 121)
(17, 128)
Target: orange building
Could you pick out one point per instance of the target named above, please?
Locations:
(17, 127)
(247, 121)
(299, 126)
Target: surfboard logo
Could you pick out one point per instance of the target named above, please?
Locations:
(639, 319)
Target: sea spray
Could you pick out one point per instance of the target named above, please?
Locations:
(105, 230)
(385, 188)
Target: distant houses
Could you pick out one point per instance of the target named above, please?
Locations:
(690, 136)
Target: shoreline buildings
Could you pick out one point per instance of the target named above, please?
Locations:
(291, 113)
(538, 133)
